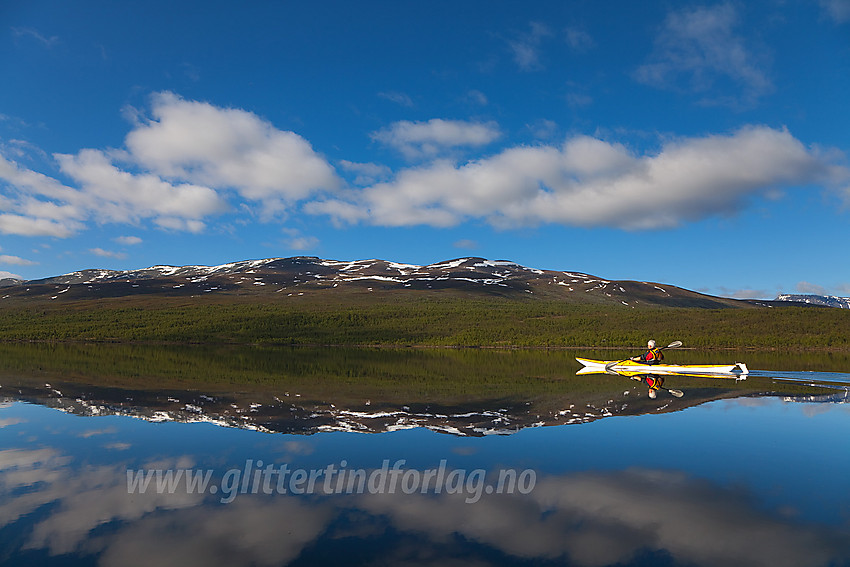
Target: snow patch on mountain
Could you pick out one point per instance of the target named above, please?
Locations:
(825, 300)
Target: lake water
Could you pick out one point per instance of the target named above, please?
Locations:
(120, 455)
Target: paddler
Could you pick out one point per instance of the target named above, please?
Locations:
(651, 356)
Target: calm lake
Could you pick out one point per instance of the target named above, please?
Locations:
(132, 455)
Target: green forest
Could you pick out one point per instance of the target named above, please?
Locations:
(399, 320)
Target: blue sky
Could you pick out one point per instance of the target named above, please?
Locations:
(703, 144)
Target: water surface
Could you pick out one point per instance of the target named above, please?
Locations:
(498, 458)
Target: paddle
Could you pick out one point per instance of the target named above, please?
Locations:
(677, 393)
(610, 365)
(673, 391)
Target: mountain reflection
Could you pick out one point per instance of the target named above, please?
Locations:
(305, 391)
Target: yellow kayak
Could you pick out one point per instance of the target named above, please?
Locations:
(590, 366)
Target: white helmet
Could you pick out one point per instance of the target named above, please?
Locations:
(652, 393)
(651, 343)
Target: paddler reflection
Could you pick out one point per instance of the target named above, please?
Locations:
(655, 382)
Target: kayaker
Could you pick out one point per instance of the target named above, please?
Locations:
(653, 355)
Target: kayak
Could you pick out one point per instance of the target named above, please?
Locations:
(631, 367)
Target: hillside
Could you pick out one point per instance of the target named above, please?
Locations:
(279, 278)
(469, 302)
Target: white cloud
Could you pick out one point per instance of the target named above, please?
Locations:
(27, 226)
(197, 142)
(838, 10)
(591, 182)
(176, 171)
(121, 196)
(4, 275)
(303, 243)
(701, 47)
(806, 287)
(398, 98)
(297, 241)
(477, 97)
(366, 173)
(745, 293)
(29, 205)
(35, 34)
(543, 129)
(179, 224)
(578, 100)
(466, 244)
(429, 139)
(15, 261)
(128, 240)
(107, 253)
(526, 47)
(578, 39)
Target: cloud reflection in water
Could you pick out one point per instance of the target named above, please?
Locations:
(587, 518)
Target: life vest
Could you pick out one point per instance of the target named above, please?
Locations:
(653, 356)
(654, 382)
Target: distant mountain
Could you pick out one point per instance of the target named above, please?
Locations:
(285, 277)
(824, 300)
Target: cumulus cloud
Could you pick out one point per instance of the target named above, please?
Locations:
(126, 197)
(366, 173)
(178, 168)
(591, 182)
(197, 142)
(429, 139)
(28, 226)
(33, 204)
(700, 46)
(15, 260)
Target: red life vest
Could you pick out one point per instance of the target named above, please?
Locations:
(653, 355)
(654, 382)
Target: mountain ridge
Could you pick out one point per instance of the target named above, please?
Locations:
(305, 274)
(310, 274)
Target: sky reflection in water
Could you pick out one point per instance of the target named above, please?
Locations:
(752, 481)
